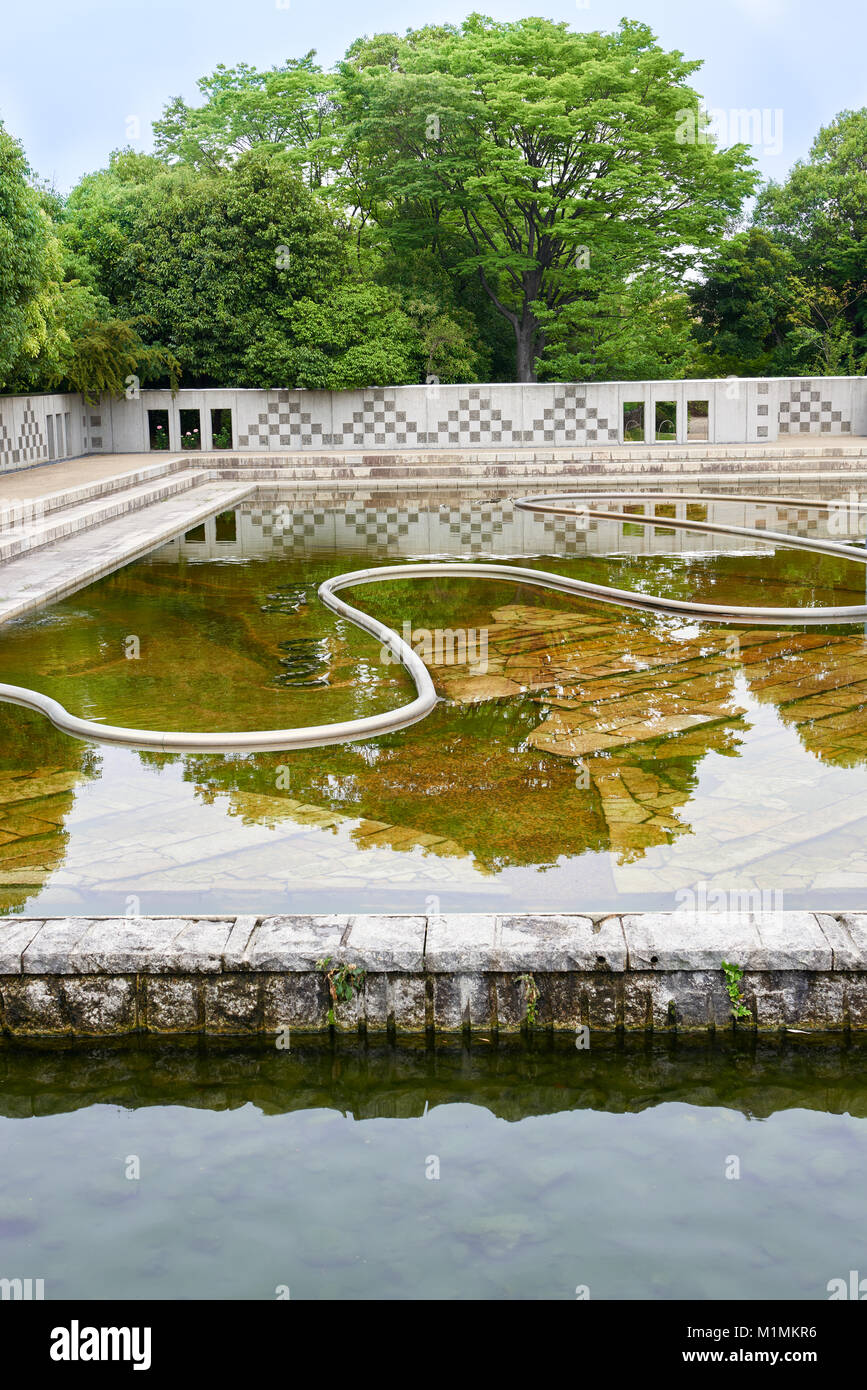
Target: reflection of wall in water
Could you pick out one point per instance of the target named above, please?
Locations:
(467, 527)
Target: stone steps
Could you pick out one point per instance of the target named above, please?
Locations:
(36, 527)
(414, 471)
(33, 509)
(43, 574)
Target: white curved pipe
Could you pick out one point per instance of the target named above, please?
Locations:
(351, 730)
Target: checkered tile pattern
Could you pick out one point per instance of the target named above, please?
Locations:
(29, 447)
(379, 422)
(564, 533)
(805, 412)
(475, 421)
(285, 423)
(571, 421)
(476, 528)
(377, 528)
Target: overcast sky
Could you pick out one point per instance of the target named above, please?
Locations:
(72, 72)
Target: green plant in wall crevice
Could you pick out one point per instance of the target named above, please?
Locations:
(733, 976)
(343, 980)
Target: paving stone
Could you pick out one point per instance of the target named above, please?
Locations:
(16, 934)
(294, 942)
(702, 940)
(50, 951)
(239, 939)
(158, 945)
(386, 943)
(540, 941)
(846, 933)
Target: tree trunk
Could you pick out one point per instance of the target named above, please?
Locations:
(526, 338)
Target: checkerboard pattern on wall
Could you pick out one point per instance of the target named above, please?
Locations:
(809, 410)
(22, 446)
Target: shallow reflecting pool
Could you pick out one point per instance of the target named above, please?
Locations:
(647, 1170)
(582, 756)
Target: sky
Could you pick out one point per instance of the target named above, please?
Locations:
(78, 77)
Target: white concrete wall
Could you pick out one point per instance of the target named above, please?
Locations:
(501, 416)
(38, 429)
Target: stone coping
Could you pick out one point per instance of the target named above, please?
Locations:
(79, 977)
(447, 944)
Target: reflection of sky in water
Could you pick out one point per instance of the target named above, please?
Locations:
(603, 1169)
(549, 796)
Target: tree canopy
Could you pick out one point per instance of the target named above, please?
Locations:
(491, 200)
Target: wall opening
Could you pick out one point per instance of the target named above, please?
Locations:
(221, 428)
(664, 509)
(634, 509)
(633, 422)
(697, 420)
(665, 421)
(158, 429)
(196, 536)
(226, 528)
(191, 429)
(49, 430)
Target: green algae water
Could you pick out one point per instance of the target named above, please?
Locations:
(582, 756)
(640, 1170)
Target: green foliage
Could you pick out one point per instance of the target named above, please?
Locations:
(532, 996)
(478, 201)
(640, 330)
(509, 147)
(289, 107)
(733, 976)
(343, 981)
(789, 296)
(29, 264)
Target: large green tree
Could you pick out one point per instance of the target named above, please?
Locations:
(246, 276)
(289, 106)
(548, 163)
(30, 263)
(743, 304)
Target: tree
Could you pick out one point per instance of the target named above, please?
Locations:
(529, 154)
(362, 335)
(288, 106)
(30, 263)
(743, 306)
(208, 260)
(637, 331)
(819, 214)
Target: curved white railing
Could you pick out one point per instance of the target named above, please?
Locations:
(350, 730)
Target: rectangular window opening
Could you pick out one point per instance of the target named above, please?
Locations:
(697, 419)
(633, 422)
(158, 429)
(665, 422)
(221, 428)
(191, 429)
(227, 528)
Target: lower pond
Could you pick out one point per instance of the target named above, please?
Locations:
(664, 1169)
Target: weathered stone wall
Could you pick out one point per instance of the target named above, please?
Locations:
(245, 975)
